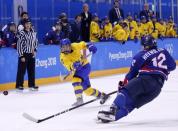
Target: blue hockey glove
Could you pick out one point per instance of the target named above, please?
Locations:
(92, 48)
(77, 65)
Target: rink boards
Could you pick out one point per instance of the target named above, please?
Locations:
(111, 58)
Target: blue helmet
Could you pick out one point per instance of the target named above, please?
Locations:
(148, 42)
(65, 41)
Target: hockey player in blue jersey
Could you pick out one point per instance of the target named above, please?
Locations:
(148, 71)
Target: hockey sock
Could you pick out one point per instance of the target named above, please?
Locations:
(124, 104)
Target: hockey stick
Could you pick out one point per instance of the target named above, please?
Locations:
(29, 117)
(70, 72)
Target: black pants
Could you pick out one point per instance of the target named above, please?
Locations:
(29, 64)
(86, 34)
(144, 88)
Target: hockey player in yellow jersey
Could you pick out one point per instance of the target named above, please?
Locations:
(162, 28)
(154, 29)
(73, 60)
(170, 29)
(117, 26)
(107, 29)
(133, 35)
(122, 34)
(95, 32)
(144, 27)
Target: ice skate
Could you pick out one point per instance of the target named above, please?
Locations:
(78, 102)
(107, 116)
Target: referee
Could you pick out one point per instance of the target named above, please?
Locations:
(26, 47)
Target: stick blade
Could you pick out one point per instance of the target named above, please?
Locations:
(30, 118)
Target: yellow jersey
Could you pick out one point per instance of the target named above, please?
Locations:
(94, 32)
(116, 28)
(121, 35)
(144, 29)
(76, 55)
(107, 31)
(133, 29)
(170, 31)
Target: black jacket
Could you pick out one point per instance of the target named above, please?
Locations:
(76, 32)
(85, 26)
(113, 15)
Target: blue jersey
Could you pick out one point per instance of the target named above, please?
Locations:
(53, 37)
(10, 38)
(154, 61)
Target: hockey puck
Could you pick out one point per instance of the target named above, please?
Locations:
(5, 93)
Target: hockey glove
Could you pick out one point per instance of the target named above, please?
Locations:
(92, 48)
(77, 65)
(121, 84)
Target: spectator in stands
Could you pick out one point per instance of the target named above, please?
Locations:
(95, 29)
(1, 38)
(54, 37)
(23, 17)
(134, 33)
(146, 12)
(116, 12)
(66, 28)
(85, 24)
(76, 29)
(10, 35)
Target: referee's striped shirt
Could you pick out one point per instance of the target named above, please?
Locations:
(27, 42)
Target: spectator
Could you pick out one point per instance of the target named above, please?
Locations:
(23, 17)
(95, 29)
(76, 29)
(54, 36)
(85, 24)
(1, 38)
(66, 28)
(10, 35)
(27, 48)
(116, 12)
(146, 12)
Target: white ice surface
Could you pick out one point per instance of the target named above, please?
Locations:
(159, 115)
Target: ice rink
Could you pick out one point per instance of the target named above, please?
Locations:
(160, 115)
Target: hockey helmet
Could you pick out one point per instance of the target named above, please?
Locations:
(148, 42)
(65, 46)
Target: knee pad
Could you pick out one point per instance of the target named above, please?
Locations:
(90, 91)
